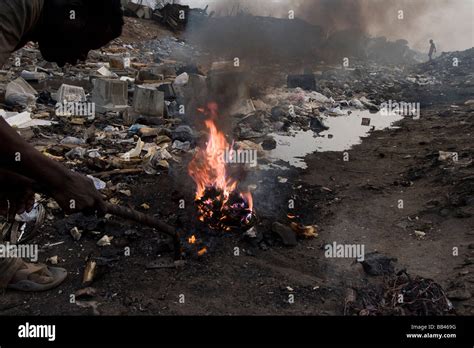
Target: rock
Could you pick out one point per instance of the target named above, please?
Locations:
(278, 114)
(76, 234)
(54, 260)
(376, 264)
(285, 233)
(303, 231)
(269, 144)
(446, 156)
(183, 134)
(105, 241)
(420, 234)
(317, 125)
(76, 153)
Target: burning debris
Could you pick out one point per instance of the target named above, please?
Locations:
(220, 207)
(209, 170)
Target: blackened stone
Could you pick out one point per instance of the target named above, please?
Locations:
(317, 125)
(183, 134)
(269, 144)
(376, 264)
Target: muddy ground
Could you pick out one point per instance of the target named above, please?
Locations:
(352, 202)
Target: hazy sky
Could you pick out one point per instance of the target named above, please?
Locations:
(449, 22)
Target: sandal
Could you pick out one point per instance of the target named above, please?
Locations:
(47, 278)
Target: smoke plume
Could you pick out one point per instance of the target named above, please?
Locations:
(448, 22)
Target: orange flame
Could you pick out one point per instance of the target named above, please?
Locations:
(249, 199)
(192, 240)
(202, 252)
(208, 168)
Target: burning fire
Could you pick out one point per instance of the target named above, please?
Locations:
(208, 168)
(202, 252)
(192, 239)
(219, 203)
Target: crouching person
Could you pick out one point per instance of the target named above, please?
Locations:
(63, 38)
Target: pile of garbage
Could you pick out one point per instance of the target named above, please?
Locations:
(174, 16)
(118, 113)
(458, 64)
(400, 295)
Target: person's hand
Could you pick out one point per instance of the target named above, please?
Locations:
(77, 193)
(16, 194)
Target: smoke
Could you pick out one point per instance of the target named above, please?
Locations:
(448, 22)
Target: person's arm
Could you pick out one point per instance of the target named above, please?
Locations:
(16, 195)
(72, 191)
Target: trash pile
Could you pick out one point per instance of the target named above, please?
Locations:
(448, 79)
(395, 293)
(399, 295)
(116, 115)
(174, 16)
(455, 68)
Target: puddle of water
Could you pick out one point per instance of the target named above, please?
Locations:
(344, 132)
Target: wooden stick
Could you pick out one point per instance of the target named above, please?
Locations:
(141, 218)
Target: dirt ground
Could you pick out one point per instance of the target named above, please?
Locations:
(363, 209)
(354, 202)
